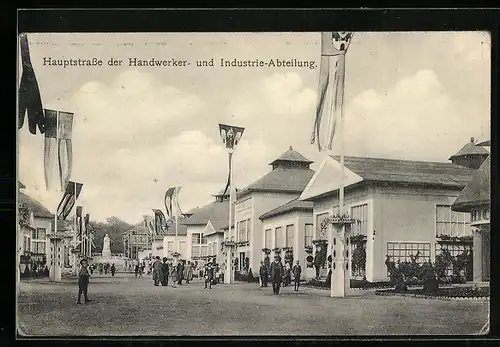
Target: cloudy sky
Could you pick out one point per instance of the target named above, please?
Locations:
(139, 130)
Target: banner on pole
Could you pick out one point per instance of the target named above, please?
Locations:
(231, 135)
(58, 134)
(68, 200)
(331, 87)
(30, 100)
(172, 201)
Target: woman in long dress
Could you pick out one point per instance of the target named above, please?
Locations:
(188, 272)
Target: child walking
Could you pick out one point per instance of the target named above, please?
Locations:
(83, 281)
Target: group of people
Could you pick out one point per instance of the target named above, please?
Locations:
(162, 271)
(103, 268)
(278, 274)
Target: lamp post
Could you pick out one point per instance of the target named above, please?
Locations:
(231, 135)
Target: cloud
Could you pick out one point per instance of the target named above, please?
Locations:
(414, 119)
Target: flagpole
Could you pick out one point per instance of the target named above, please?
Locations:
(176, 220)
(340, 283)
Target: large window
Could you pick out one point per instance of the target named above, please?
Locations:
(38, 241)
(38, 247)
(268, 240)
(196, 238)
(403, 251)
(360, 215)
(38, 234)
(321, 233)
(451, 223)
(289, 235)
(308, 237)
(199, 246)
(244, 230)
(170, 247)
(278, 237)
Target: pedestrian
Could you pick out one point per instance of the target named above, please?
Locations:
(83, 281)
(136, 270)
(209, 275)
(188, 272)
(173, 274)
(297, 270)
(157, 267)
(100, 269)
(91, 268)
(263, 274)
(113, 269)
(288, 274)
(180, 272)
(276, 274)
(164, 272)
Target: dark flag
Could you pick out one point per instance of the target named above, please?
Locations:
(228, 184)
(331, 94)
(30, 100)
(72, 193)
(230, 135)
(79, 219)
(58, 133)
(171, 198)
(160, 222)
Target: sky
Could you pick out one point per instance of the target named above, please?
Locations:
(139, 130)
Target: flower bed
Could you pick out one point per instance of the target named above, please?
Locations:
(454, 292)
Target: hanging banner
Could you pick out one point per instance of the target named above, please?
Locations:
(331, 87)
(68, 200)
(30, 101)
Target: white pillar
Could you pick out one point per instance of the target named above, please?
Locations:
(55, 267)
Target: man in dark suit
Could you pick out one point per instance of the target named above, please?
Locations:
(263, 274)
(297, 270)
(276, 274)
(164, 272)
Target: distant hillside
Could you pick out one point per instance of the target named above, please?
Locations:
(114, 227)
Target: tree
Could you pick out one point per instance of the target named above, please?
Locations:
(115, 228)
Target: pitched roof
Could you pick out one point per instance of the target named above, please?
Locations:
(38, 209)
(290, 180)
(292, 205)
(291, 156)
(409, 171)
(470, 149)
(477, 192)
(216, 212)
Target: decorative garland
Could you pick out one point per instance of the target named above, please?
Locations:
(357, 239)
(457, 239)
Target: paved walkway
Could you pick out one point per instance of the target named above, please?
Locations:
(126, 305)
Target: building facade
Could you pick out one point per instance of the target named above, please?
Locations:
(35, 223)
(205, 230)
(289, 176)
(401, 209)
(288, 231)
(476, 200)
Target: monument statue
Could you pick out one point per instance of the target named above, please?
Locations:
(106, 250)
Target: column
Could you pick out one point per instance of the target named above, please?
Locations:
(477, 256)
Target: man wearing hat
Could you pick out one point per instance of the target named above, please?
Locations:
(297, 270)
(276, 274)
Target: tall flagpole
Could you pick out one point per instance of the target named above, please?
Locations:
(340, 279)
(176, 220)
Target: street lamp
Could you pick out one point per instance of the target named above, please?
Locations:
(231, 136)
